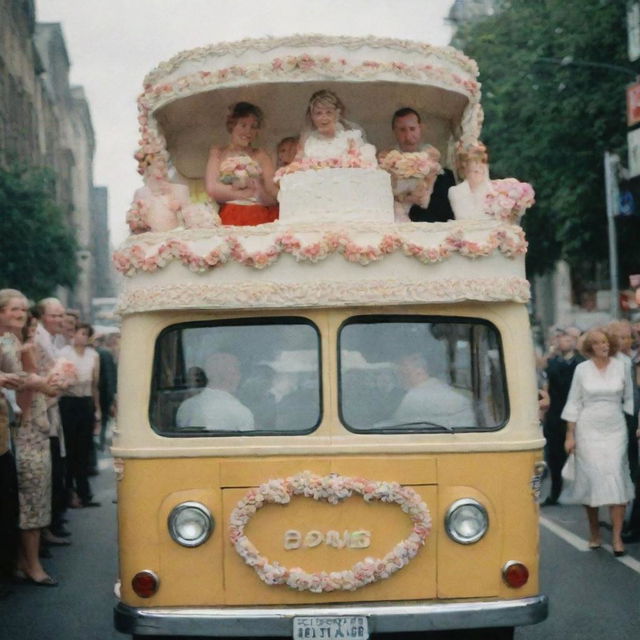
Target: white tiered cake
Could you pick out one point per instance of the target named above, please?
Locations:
(335, 242)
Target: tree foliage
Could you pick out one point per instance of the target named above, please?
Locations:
(38, 250)
(550, 123)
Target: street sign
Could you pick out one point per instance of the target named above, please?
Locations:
(633, 104)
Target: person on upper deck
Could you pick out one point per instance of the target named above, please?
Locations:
(328, 135)
(240, 176)
(286, 150)
(408, 130)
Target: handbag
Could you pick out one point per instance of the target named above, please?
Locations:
(569, 469)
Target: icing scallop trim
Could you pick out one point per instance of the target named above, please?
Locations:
(509, 240)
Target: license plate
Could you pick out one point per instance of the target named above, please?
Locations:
(330, 628)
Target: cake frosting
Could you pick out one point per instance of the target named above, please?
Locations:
(336, 195)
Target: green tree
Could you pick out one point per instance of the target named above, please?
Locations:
(550, 123)
(37, 248)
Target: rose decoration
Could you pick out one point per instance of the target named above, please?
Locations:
(334, 489)
(508, 199)
(138, 216)
(353, 159)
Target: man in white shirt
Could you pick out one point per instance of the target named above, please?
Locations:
(50, 313)
(215, 407)
(429, 399)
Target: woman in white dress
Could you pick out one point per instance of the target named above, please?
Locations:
(597, 436)
(329, 136)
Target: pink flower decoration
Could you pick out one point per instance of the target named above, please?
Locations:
(334, 489)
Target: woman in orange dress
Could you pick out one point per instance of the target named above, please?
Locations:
(240, 176)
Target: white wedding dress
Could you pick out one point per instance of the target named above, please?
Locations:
(595, 403)
(320, 147)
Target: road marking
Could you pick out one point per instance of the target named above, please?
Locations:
(581, 545)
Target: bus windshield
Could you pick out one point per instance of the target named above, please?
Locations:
(416, 373)
(241, 377)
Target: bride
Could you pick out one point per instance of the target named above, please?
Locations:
(329, 136)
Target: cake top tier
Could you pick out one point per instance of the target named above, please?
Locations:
(183, 106)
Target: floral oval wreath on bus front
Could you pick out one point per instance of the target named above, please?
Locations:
(333, 488)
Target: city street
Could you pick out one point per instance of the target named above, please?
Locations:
(592, 595)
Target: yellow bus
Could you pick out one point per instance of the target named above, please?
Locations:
(326, 429)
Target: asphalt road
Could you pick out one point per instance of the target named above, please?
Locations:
(593, 595)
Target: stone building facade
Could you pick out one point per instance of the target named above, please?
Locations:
(46, 122)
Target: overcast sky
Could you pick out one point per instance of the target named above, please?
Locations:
(113, 44)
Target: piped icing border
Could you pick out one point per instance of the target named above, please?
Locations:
(322, 293)
(157, 251)
(447, 54)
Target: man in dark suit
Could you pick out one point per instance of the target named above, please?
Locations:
(408, 130)
(560, 369)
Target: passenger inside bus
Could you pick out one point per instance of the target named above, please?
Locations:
(216, 408)
(428, 398)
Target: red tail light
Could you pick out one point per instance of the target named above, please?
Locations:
(515, 574)
(145, 583)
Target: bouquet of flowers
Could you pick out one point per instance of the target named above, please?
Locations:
(411, 173)
(508, 199)
(239, 170)
(63, 373)
(420, 164)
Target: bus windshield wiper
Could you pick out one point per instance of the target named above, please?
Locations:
(426, 423)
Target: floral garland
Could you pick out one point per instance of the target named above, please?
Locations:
(351, 160)
(508, 199)
(334, 489)
(412, 165)
(510, 242)
(152, 155)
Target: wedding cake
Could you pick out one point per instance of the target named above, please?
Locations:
(335, 241)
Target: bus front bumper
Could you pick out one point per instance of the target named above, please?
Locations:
(254, 622)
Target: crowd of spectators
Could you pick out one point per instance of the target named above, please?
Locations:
(57, 395)
(579, 412)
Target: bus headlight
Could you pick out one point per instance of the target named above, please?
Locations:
(466, 521)
(190, 524)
